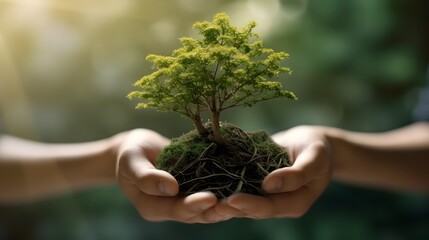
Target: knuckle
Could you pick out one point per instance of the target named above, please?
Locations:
(123, 165)
(125, 156)
(319, 147)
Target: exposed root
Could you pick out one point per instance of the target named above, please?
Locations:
(239, 165)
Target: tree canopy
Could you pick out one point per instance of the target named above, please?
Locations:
(228, 67)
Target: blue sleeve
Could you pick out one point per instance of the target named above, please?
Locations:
(421, 112)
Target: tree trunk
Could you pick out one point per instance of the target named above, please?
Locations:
(216, 127)
(199, 125)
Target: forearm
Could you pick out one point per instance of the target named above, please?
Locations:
(395, 160)
(31, 170)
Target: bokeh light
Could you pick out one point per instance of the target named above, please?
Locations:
(66, 67)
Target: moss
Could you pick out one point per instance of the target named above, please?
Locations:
(238, 165)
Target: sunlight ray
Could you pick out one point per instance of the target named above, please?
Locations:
(14, 105)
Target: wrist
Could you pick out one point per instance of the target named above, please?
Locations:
(92, 164)
(105, 163)
(336, 139)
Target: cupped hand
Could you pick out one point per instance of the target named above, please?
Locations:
(290, 191)
(153, 192)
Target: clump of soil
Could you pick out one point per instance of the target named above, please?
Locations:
(238, 165)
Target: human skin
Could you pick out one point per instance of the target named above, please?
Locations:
(396, 160)
(31, 171)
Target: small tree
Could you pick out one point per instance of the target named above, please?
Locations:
(222, 70)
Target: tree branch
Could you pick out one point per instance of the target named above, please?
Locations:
(232, 93)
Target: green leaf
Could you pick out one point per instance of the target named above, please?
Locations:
(228, 67)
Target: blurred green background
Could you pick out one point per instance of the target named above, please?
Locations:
(66, 67)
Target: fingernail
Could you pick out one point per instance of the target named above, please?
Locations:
(164, 189)
(274, 186)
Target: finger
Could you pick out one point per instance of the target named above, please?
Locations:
(157, 182)
(294, 204)
(279, 137)
(309, 164)
(147, 178)
(192, 207)
(146, 142)
(291, 204)
(251, 206)
(160, 208)
(222, 211)
(226, 211)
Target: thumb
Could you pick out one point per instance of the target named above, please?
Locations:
(156, 182)
(289, 179)
(284, 180)
(134, 166)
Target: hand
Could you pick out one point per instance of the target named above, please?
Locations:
(291, 190)
(153, 192)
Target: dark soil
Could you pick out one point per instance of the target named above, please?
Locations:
(238, 165)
